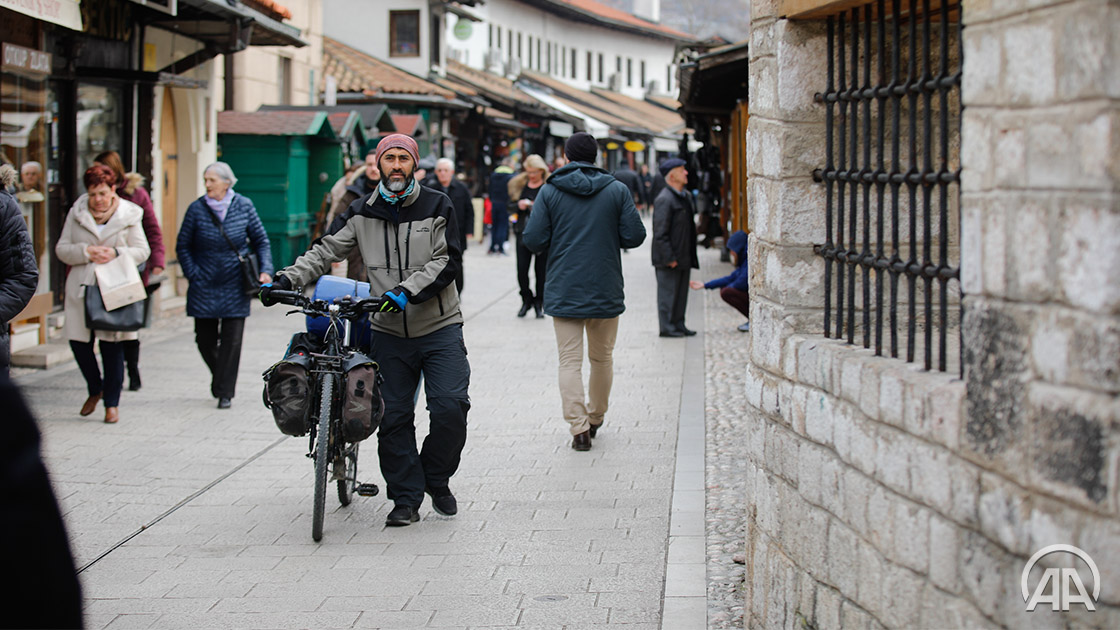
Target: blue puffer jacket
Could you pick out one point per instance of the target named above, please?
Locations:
(209, 263)
(738, 278)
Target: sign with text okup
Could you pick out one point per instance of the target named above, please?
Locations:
(66, 13)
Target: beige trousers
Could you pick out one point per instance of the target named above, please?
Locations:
(601, 334)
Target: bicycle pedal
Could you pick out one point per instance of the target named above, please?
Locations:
(368, 489)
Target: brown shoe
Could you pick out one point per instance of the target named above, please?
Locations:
(594, 429)
(111, 415)
(90, 405)
(582, 441)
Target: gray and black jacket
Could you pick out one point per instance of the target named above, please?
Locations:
(413, 246)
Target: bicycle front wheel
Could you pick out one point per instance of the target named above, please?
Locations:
(322, 455)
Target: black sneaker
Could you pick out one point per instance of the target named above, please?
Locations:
(443, 502)
(402, 515)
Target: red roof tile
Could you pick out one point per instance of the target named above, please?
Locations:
(269, 123)
(612, 14)
(270, 8)
(356, 71)
(407, 123)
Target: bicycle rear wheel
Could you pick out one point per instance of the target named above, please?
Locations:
(348, 473)
(322, 455)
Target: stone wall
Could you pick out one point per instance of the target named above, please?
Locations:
(880, 495)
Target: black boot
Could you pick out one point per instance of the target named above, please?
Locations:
(538, 307)
(132, 362)
(525, 306)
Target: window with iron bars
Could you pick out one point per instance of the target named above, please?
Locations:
(892, 179)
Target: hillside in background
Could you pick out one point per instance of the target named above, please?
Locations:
(729, 19)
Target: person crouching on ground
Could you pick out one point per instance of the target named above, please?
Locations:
(584, 217)
(420, 328)
(734, 287)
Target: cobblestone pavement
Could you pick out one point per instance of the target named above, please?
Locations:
(185, 516)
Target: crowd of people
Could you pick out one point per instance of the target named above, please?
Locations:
(571, 220)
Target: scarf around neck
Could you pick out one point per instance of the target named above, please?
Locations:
(220, 206)
(392, 197)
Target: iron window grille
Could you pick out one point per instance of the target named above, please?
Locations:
(872, 185)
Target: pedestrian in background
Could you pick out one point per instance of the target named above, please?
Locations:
(627, 176)
(130, 187)
(364, 184)
(647, 188)
(583, 217)
(524, 188)
(215, 298)
(499, 207)
(673, 249)
(19, 275)
(460, 197)
(734, 288)
(99, 227)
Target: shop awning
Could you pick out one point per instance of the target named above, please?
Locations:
(216, 22)
(66, 13)
(593, 125)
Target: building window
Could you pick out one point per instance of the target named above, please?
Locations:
(490, 41)
(589, 66)
(642, 73)
(509, 43)
(573, 68)
(284, 81)
(538, 66)
(563, 60)
(629, 72)
(618, 64)
(519, 55)
(499, 29)
(600, 67)
(548, 66)
(669, 79)
(404, 33)
(529, 63)
(892, 183)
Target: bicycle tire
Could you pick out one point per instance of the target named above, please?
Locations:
(322, 455)
(349, 473)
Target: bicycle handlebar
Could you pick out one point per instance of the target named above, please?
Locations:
(348, 306)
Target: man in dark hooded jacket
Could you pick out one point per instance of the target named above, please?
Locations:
(584, 217)
(19, 275)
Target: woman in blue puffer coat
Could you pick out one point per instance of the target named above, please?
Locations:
(215, 297)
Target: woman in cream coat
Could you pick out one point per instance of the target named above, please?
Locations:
(99, 227)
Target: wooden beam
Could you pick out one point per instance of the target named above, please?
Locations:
(820, 9)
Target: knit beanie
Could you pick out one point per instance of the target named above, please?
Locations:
(581, 147)
(398, 141)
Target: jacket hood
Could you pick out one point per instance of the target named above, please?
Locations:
(738, 244)
(132, 181)
(580, 178)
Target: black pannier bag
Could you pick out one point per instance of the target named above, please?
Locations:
(362, 405)
(288, 383)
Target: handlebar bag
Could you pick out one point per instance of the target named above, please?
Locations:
(362, 405)
(287, 387)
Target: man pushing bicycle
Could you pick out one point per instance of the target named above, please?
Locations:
(408, 239)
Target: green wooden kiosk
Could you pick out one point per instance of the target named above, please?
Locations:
(285, 162)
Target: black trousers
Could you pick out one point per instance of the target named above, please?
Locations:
(112, 356)
(672, 298)
(524, 258)
(442, 356)
(219, 343)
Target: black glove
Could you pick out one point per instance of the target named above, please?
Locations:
(278, 282)
(393, 300)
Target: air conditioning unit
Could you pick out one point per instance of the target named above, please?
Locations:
(513, 68)
(614, 82)
(493, 60)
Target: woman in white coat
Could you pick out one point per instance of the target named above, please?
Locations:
(99, 227)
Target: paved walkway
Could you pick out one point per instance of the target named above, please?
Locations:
(184, 516)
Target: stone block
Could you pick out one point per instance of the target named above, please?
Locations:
(1076, 348)
(871, 581)
(944, 549)
(789, 358)
(819, 418)
(1031, 233)
(809, 465)
(789, 211)
(880, 518)
(806, 601)
(941, 610)
(798, 401)
(790, 276)
(851, 374)
(762, 40)
(994, 242)
(915, 419)
(1030, 65)
(945, 406)
(1005, 511)
(762, 83)
(1100, 538)
(869, 386)
(832, 483)
(812, 533)
(1089, 251)
(843, 417)
(891, 392)
(785, 149)
(1071, 441)
(911, 536)
(828, 608)
(895, 452)
(767, 329)
(863, 441)
(930, 482)
(983, 50)
(770, 402)
(981, 566)
(854, 617)
(902, 593)
(843, 559)
(753, 384)
(1087, 52)
(1052, 522)
(857, 488)
(972, 243)
(802, 69)
(964, 478)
